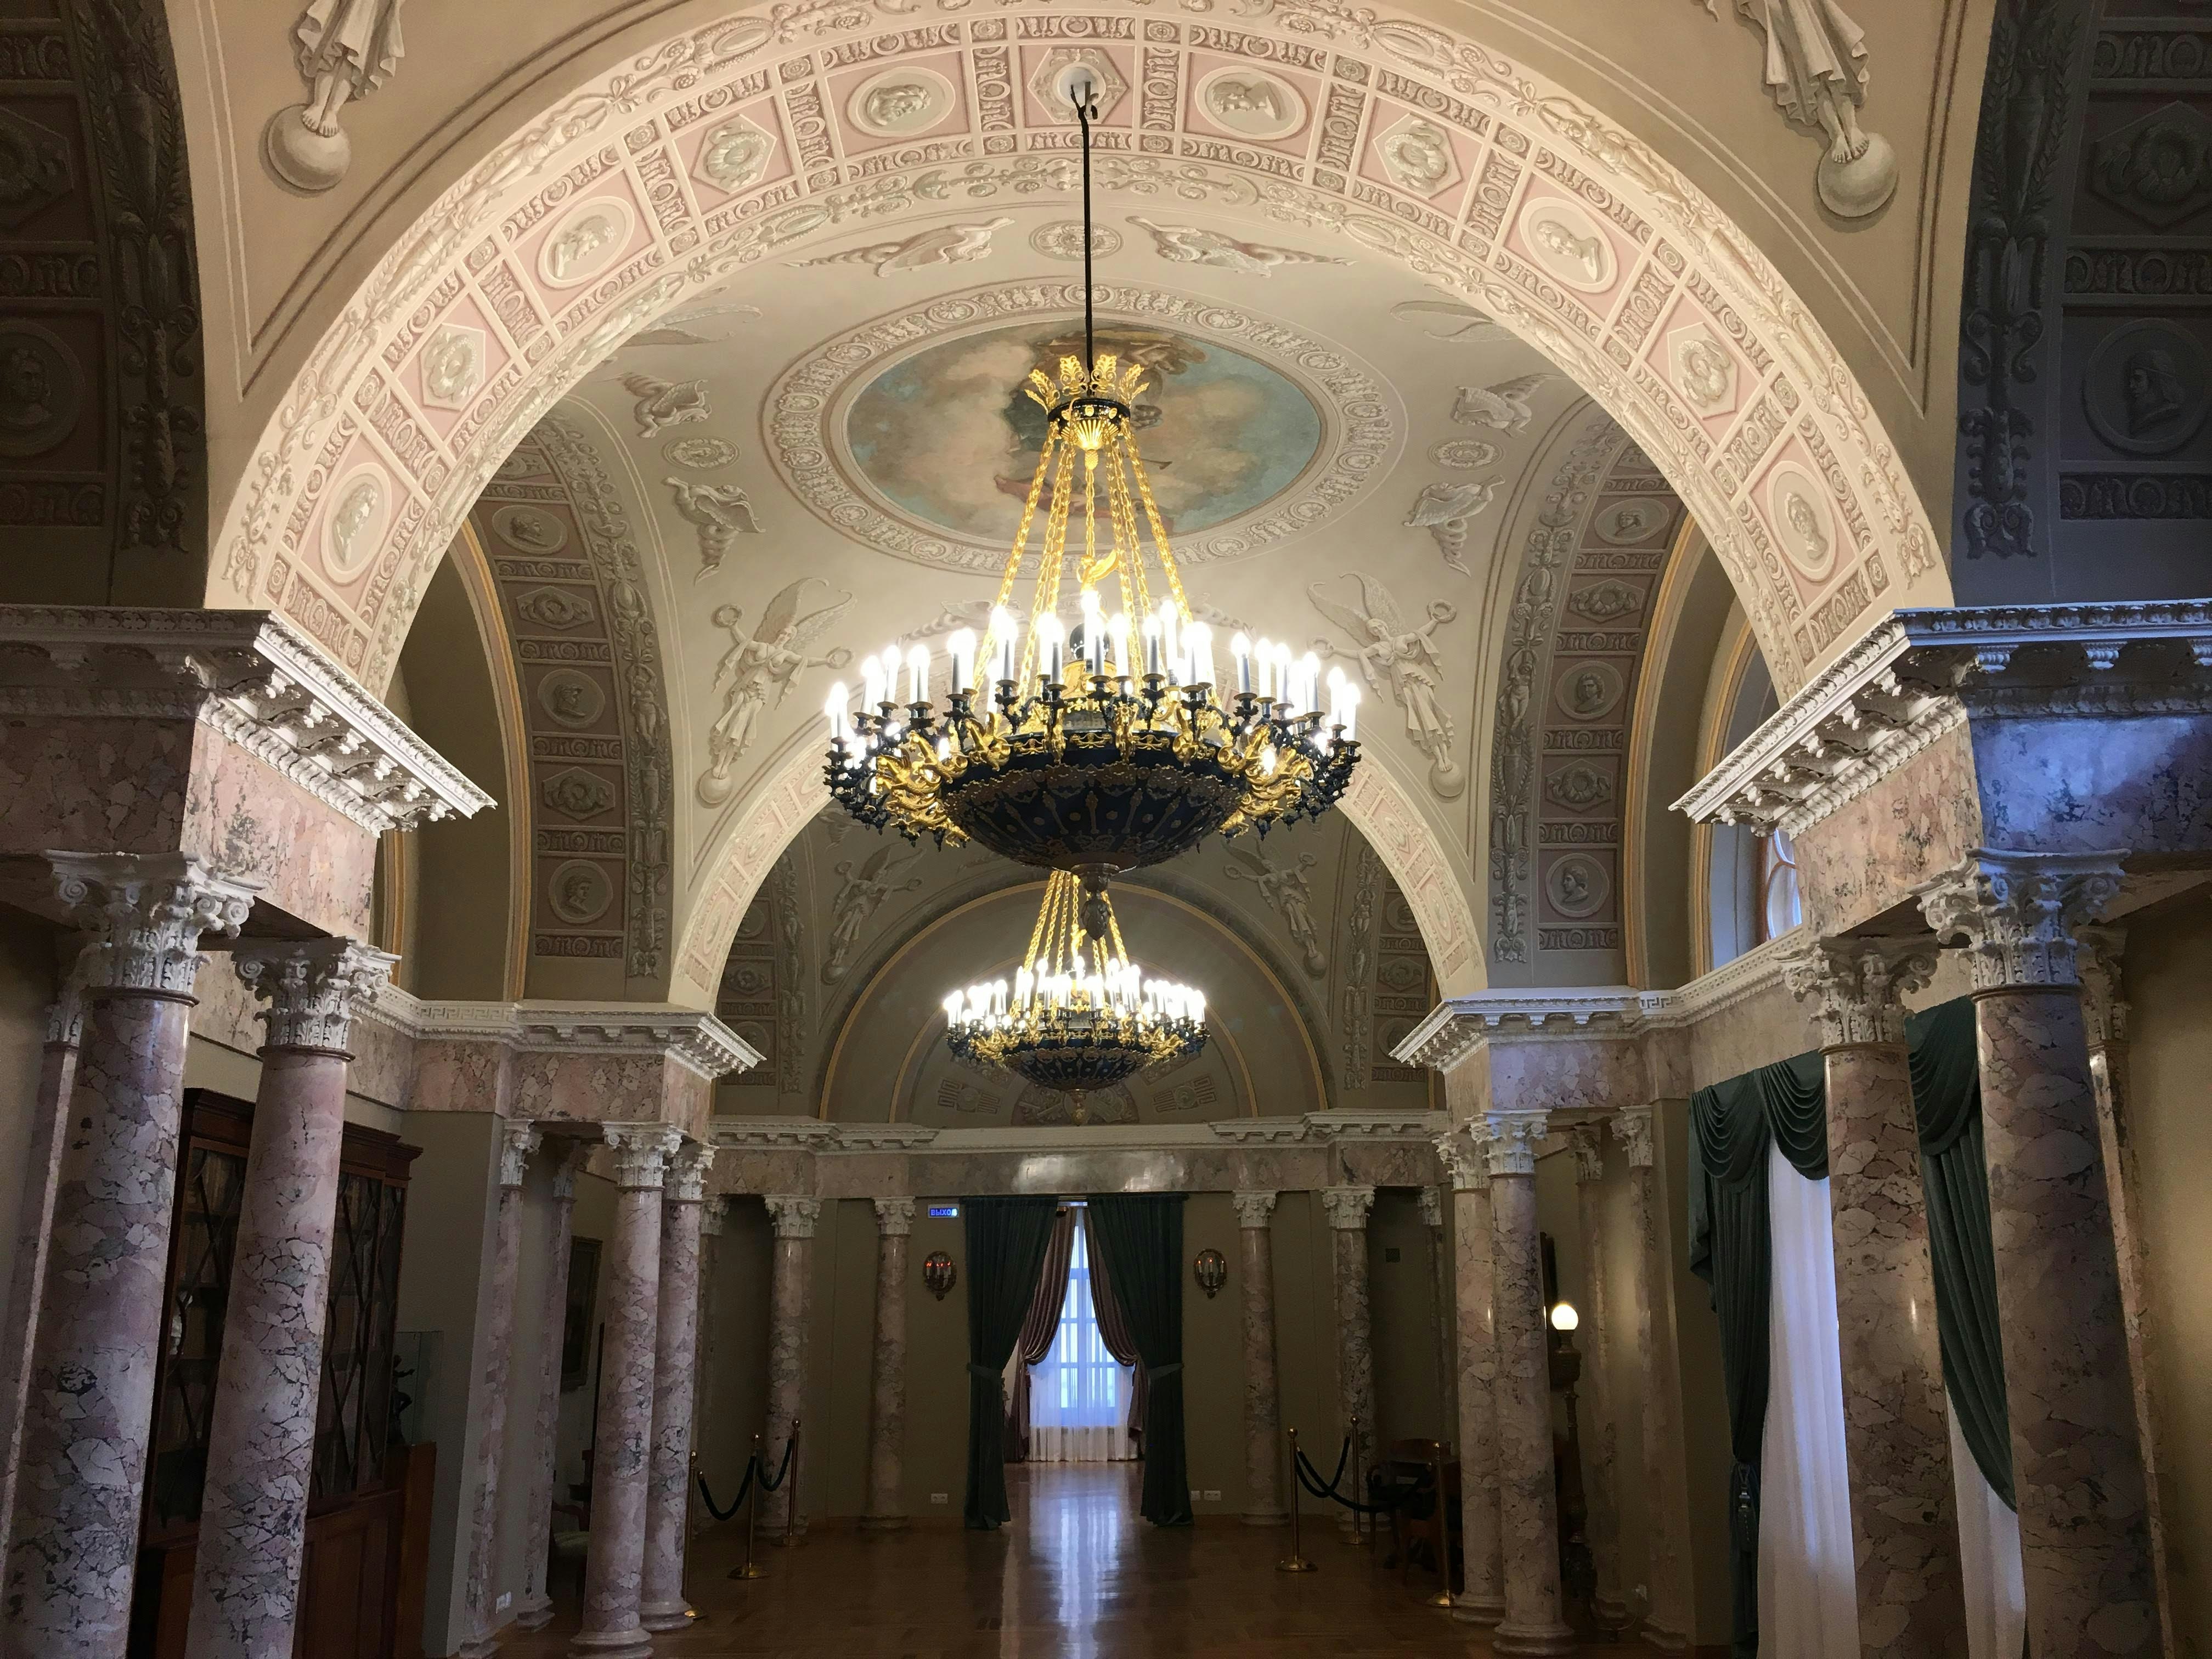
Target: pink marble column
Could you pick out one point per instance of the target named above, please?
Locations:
(42, 1163)
(1481, 1597)
(614, 1568)
(1528, 1510)
(1599, 1426)
(261, 1430)
(705, 1407)
(1348, 1208)
(535, 1609)
(674, 1359)
(886, 1509)
(2079, 1470)
(73, 1544)
(1263, 1411)
(518, 1140)
(790, 1285)
(1665, 1573)
(1904, 1522)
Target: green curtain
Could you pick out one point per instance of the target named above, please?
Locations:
(1946, 1098)
(1140, 1235)
(1732, 1125)
(1007, 1242)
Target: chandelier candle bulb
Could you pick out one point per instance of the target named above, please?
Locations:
(917, 666)
(1240, 648)
(1202, 653)
(839, 716)
(960, 648)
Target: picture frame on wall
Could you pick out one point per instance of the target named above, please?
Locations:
(583, 1307)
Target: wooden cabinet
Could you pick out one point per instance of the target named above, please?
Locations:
(368, 1503)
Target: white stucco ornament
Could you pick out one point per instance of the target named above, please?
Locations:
(346, 50)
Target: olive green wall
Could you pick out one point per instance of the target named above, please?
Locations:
(27, 985)
(1402, 1321)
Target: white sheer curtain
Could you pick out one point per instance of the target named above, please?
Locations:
(1079, 1397)
(1807, 1606)
(1989, 1544)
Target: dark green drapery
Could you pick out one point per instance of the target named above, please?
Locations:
(1140, 1235)
(1732, 1124)
(1007, 1240)
(1946, 1098)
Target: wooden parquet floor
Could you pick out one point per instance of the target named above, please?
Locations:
(1078, 1575)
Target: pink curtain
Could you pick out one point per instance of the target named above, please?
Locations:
(1039, 1327)
(1114, 1332)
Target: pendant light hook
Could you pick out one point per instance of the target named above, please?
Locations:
(1083, 93)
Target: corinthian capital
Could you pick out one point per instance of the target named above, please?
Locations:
(520, 1139)
(1347, 1206)
(1253, 1209)
(145, 915)
(642, 1154)
(1632, 1128)
(1515, 1137)
(1860, 984)
(1461, 1153)
(2018, 913)
(895, 1218)
(794, 1215)
(310, 986)
(687, 1173)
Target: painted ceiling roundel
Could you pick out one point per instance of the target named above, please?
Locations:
(946, 437)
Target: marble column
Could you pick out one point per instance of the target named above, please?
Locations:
(1481, 1597)
(614, 1566)
(534, 1610)
(1527, 1502)
(73, 1544)
(675, 1355)
(2078, 1465)
(1897, 1440)
(518, 1140)
(886, 1510)
(1432, 1200)
(261, 1426)
(34, 1218)
(789, 1299)
(1666, 1572)
(1600, 1425)
(713, 1214)
(1348, 1208)
(1263, 1409)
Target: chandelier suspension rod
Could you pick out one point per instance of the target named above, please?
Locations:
(1083, 89)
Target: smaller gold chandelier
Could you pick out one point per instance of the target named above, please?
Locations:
(1079, 1017)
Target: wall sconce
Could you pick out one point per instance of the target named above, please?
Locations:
(940, 1275)
(1212, 1269)
(1565, 1318)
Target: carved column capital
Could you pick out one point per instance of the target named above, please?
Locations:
(1633, 1129)
(1461, 1153)
(1859, 985)
(687, 1173)
(145, 915)
(573, 1153)
(2104, 1010)
(642, 1154)
(1515, 1137)
(712, 1215)
(520, 1138)
(74, 958)
(2018, 913)
(310, 986)
(1254, 1208)
(1347, 1206)
(1588, 1143)
(1432, 1206)
(794, 1215)
(894, 1218)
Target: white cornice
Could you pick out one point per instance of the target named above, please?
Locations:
(697, 1041)
(1918, 674)
(247, 674)
(773, 1135)
(814, 1134)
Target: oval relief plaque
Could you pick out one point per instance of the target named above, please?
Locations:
(900, 101)
(586, 241)
(1803, 522)
(1566, 242)
(42, 389)
(353, 529)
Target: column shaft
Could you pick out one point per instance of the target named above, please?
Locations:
(1529, 1510)
(1263, 1411)
(614, 1568)
(1348, 1208)
(534, 1610)
(886, 1510)
(788, 1298)
(1481, 1599)
(674, 1392)
(1667, 1584)
(1599, 1435)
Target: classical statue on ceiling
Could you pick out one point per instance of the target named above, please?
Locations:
(757, 673)
(346, 49)
(1816, 71)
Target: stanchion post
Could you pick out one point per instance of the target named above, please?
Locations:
(1443, 1598)
(790, 1539)
(691, 1614)
(1295, 1562)
(748, 1568)
(1358, 1535)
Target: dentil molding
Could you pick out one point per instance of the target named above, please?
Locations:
(693, 1038)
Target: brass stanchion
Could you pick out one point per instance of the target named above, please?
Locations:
(790, 1538)
(691, 1614)
(1295, 1562)
(1443, 1597)
(749, 1569)
(1359, 1536)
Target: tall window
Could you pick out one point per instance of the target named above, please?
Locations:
(1780, 907)
(1079, 1396)
(1751, 892)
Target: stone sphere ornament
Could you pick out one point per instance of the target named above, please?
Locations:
(302, 157)
(1859, 188)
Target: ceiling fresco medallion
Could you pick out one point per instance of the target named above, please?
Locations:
(1252, 103)
(1259, 431)
(1631, 522)
(587, 241)
(700, 454)
(1798, 509)
(900, 101)
(1418, 156)
(1577, 886)
(1590, 691)
(526, 529)
(580, 892)
(1567, 244)
(355, 525)
(41, 390)
(1063, 240)
(2145, 388)
(576, 700)
(452, 362)
(735, 153)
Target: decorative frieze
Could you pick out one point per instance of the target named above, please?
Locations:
(145, 915)
(1253, 1209)
(312, 988)
(249, 675)
(1858, 985)
(2018, 913)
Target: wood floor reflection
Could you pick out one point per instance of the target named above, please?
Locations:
(1077, 1576)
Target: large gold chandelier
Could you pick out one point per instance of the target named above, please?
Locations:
(1109, 741)
(1079, 1017)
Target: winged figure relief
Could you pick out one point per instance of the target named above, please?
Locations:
(756, 674)
(1449, 320)
(1501, 408)
(1444, 510)
(1400, 660)
(861, 894)
(1189, 245)
(720, 513)
(1287, 889)
(681, 329)
(947, 245)
(662, 404)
